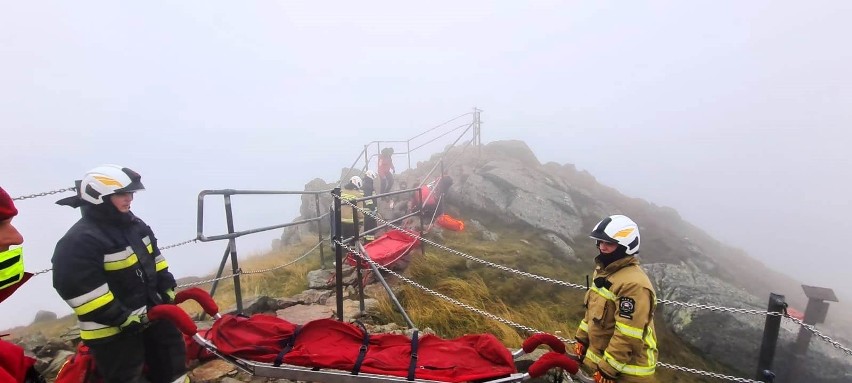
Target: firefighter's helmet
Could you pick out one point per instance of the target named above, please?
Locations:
(618, 229)
(106, 180)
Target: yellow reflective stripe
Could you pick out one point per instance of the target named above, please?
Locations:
(161, 265)
(591, 355)
(629, 369)
(85, 298)
(97, 334)
(604, 293)
(584, 325)
(651, 339)
(150, 249)
(13, 273)
(122, 264)
(94, 330)
(630, 331)
(94, 304)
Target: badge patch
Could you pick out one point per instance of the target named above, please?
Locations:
(626, 307)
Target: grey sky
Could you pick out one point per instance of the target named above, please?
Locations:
(734, 113)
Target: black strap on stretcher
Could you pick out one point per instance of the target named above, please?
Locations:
(363, 352)
(288, 345)
(412, 367)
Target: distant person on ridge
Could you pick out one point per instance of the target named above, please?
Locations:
(108, 268)
(350, 192)
(433, 194)
(15, 367)
(616, 338)
(386, 170)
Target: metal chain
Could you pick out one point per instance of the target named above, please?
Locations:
(44, 194)
(179, 244)
(286, 264)
(527, 329)
(161, 249)
(206, 281)
(824, 337)
(707, 373)
(470, 257)
(531, 330)
(576, 286)
(242, 272)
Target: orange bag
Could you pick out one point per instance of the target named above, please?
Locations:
(448, 222)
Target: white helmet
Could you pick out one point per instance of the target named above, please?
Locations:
(108, 179)
(618, 229)
(370, 174)
(356, 181)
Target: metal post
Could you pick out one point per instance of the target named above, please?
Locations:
(319, 231)
(408, 152)
(477, 129)
(355, 241)
(232, 245)
(770, 336)
(815, 312)
(420, 209)
(391, 295)
(338, 253)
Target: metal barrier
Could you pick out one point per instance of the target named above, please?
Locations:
(232, 235)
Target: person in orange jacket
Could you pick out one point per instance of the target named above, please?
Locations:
(15, 366)
(616, 338)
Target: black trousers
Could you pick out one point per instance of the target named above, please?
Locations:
(160, 347)
(387, 183)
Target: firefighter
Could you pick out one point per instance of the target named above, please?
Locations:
(108, 268)
(350, 192)
(616, 338)
(15, 367)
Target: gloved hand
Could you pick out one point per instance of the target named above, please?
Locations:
(169, 296)
(580, 350)
(602, 377)
(134, 323)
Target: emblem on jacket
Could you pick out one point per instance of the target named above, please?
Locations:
(626, 307)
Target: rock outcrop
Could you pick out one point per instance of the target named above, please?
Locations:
(734, 338)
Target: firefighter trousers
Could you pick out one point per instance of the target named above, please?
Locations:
(160, 348)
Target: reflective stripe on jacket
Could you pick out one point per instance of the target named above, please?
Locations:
(346, 209)
(106, 271)
(618, 325)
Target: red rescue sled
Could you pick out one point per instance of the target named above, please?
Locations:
(387, 249)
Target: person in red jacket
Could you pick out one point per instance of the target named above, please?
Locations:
(386, 170)
(15, 367)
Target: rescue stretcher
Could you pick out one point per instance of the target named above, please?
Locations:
(502, 373)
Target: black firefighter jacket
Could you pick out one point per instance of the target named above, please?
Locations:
(107, 267)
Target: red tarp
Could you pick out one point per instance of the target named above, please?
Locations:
(387, 248)
(327, 343)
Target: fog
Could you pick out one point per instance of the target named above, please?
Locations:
(736, 114)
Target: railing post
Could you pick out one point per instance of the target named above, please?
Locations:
(338, 253)
(815, 312)
(770, 337)
(358, 274)
(420, 209)
(319, 231)
(232, 245)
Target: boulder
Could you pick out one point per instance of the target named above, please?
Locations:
(730, 337)
(44, 316)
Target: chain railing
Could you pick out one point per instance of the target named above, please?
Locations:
(576, 286)
(527, 329)
(160, 248)
(249, 272)
(47, 193)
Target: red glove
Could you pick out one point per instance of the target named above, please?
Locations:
(580, 350)
(602, 377)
